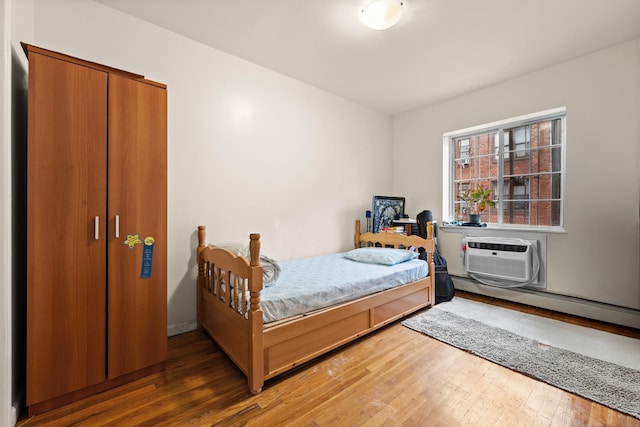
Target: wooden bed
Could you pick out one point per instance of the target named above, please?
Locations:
(264, 351)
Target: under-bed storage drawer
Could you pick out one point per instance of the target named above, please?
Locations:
(296, 342)
(302, 348)
(395, 309)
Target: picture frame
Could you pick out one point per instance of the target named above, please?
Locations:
(385, 210)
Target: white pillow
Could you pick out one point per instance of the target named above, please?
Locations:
(384, 256)
(270, 267)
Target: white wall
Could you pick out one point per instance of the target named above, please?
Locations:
(597, 258)
(250, 150)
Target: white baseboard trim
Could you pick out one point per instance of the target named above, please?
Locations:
(181, 328)
(564, 304)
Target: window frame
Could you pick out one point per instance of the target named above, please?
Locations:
(499, 126)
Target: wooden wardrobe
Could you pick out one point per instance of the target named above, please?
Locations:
(96, 228)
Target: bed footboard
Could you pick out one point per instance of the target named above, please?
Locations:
(229, 305)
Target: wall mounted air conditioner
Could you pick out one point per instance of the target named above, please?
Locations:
(500, 258)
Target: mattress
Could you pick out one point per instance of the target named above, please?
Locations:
(309, 284)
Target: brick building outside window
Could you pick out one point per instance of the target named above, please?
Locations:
(521, 162)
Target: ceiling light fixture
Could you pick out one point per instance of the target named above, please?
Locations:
(381, 14)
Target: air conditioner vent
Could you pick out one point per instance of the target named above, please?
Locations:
(499, 258)
(506, 247)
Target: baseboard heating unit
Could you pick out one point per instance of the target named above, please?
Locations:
(502, 260)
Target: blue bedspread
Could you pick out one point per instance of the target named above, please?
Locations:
(308, 284)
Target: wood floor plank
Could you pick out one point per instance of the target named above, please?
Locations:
(392, 377)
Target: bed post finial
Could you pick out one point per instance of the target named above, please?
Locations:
(202, 236)
(356, 236)
(254, 249)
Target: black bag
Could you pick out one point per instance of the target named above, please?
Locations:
(422, 218)
(445, 290)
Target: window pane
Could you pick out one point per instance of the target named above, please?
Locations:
(513, 214)
(547, 159)
(490, 215)
(541, 213)
(516, 142)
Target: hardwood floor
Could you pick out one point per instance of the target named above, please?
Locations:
(393, 377)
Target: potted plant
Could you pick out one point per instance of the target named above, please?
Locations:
(477, 199)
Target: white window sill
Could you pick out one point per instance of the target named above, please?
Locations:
(493, 227)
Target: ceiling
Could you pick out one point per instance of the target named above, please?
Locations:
(440, 49)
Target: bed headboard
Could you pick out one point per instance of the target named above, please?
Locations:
(394, 239)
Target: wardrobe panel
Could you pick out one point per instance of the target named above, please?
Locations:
(66, 244)
(137, 280)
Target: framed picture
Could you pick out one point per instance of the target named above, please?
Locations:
(385, 210)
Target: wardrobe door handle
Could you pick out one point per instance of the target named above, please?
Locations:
(117, 226)
(96, 227)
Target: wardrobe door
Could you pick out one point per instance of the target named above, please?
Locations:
(137, 277)
(66, 227)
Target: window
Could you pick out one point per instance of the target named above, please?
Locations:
(520, 159)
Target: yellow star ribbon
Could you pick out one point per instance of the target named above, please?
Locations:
(132, 240)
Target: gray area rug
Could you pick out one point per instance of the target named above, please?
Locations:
(609, 384)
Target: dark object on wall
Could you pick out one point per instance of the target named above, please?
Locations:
(445, 290)
(385, 210)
